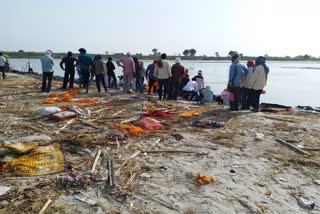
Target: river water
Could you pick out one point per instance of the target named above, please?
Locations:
(289, 83)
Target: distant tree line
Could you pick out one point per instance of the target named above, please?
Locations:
(187, 54)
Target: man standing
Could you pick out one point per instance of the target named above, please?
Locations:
(150, 76)
(47, 71)
(235, 75)
(177, 72)
(69, 63)
(2, 64)
(127, 63)
(30, 70)
(110, 73)
(85, 62)
(162, 72)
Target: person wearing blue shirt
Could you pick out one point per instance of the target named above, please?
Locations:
(235, 75)
(47, 71)
(85, 62)
(150, 76)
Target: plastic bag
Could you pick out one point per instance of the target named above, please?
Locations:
(47, 111)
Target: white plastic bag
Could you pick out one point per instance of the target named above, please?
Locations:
(47, 111)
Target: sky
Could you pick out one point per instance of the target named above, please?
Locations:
(251, 27)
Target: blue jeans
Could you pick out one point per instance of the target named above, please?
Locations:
(100, 78)
(139, 84)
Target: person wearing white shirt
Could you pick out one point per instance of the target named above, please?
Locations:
(2, 64)
(190, 88)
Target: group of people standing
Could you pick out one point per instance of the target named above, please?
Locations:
(85, 66)
(246, 84)
(172, 81)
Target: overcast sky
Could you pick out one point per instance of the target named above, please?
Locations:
(252, 27)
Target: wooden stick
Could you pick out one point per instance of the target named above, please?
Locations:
(297, 149)
(126, 161)
(45, 206)
(96, 161)
(177, 151)
(111, 173)
(311, 149)
(136, 154)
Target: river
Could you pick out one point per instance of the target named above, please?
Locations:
(289, 83)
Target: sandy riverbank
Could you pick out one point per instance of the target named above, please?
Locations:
(253, 176)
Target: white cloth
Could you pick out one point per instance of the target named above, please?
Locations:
(164, 72)
(2, 61)
(259, 78)
(191, 86)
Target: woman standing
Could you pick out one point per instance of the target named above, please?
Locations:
(258, 82)
(162, 72)
(100, 70)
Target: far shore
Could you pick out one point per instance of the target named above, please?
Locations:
(37, 55)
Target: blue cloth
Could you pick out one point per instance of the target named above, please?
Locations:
(47, 63)
(85, 60)
(236, 72)
(150, 71)
(262, 61)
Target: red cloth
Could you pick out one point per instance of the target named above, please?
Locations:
(250, 63)
(159, 63)
(157, 113)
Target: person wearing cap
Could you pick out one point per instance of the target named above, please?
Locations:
(235, 74)
(69, 70)
(86, 63)
(2, 64)
(162, 72)
(177, 72)
(47, 71)
(200, 80)
(127, 63)
(245, 85)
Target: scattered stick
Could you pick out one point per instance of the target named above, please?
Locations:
(289, 145)
(126, 161)
(111, 173)
(135, 155)
(130, 180)
(280, 119)
(163, 203)
(117, 113)
(7, 125)
(96, 160)
(45, 206)
(176, 151)
(311, 149)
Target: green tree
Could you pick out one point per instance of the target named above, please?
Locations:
(21, 51)
(193, 52)
(155, 51)
(231, 53)
(186, 52)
